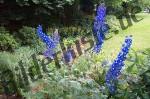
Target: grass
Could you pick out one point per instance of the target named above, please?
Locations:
(141, 37)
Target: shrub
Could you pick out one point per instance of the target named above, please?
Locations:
(7, 41)
(7, 70)
(27, 35)
(119, 12)
(113, 24)
(136, 9)
(10, 69)
(80, 28)
(70, 31)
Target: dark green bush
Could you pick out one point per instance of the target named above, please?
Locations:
(119, 12)
(71, 31)
(7, 41)
(27, 35)
(136, 9)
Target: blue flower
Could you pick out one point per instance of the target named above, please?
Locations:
(51, 42)
(45, 38)
(99, 28)
(49, 53)
(68, 55)
(115, 69)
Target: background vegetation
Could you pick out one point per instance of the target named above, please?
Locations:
(74, 19)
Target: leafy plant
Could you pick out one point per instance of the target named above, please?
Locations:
(27, 35)
(65, 87)
(11, 77)
(7, 41)
(113, 24)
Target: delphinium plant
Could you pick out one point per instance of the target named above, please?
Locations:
(68, 55)
(115, 69)
(100, 27)
(50, 41)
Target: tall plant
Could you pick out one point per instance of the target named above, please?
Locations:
(100, 27)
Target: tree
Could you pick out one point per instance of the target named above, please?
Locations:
(15, 13)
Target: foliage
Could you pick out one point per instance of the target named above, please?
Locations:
(75, 84)
(80, 29)
(27, 12)
(134, 6)
(46, 3)
(113, 24)
(8, 62)
(18, 13)
(85, 80)
(7, 41)
(11, 78)
(27, 35)
(146, 3)
(65, 87)
(113, 3)
(137, 84)
(70, 31)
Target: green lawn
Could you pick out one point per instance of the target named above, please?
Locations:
(141, 37)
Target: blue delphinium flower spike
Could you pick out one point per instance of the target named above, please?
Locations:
(68, 55)
(115, 69)
(49, 53)
(45, 38)
(99, 28)
(51, 42)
